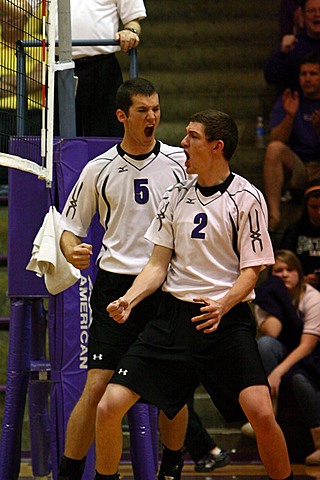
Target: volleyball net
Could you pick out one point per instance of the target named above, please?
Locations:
(27, 53)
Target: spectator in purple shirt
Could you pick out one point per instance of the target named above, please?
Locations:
(293, 154)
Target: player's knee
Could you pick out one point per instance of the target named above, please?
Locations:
(256, 404)
(108, 411)
(264, 422)
(94, 391)
(262, 415)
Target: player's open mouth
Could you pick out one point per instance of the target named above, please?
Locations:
(187, 155)
(149, 131)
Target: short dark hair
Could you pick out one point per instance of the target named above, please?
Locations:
(312, 57)
(219, 126)
(130, 88)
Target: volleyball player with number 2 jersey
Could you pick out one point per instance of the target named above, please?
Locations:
(211, 241)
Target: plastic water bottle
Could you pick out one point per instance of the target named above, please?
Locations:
(260, 133)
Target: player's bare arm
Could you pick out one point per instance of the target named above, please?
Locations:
(213, 310)
(76, 252)
(212, 314)
(147, 282)
(119, 310)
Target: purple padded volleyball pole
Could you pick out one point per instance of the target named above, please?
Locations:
(16, 388)
(141, 424)
(69, 317)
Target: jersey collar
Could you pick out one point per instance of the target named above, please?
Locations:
(155, 151)
(222, 187)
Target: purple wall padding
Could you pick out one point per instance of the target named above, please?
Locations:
(69, 315)
(71, 318)
(16, 388)
(29, 200)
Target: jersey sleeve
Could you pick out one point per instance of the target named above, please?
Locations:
(254, 243)
(81, 204)
(160, 231)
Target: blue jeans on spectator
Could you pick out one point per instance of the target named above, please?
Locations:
(272, 352)
(305, 391)
(307, 395)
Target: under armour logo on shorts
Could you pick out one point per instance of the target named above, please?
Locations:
(97, 357)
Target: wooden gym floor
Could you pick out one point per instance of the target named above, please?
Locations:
(242, 471)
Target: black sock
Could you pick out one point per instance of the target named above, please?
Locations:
(99, 476)
(71, 469)
(171, 457)
(287, 478)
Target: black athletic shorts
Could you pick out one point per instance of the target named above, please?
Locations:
(171, 357)
(109, 340)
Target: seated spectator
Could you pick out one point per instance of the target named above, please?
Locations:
(288, 316)
(303, 236)
(282, 68)
(293, 154)
(290, 17)
(201, 447)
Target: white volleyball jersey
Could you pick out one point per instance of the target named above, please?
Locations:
(212, 236)
(126, 191)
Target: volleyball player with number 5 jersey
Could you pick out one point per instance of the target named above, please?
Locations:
(125, 185)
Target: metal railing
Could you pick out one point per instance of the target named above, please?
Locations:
(21, 45)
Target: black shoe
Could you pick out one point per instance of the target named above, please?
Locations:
(172, 472)
(210, 462)
(70, 469)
